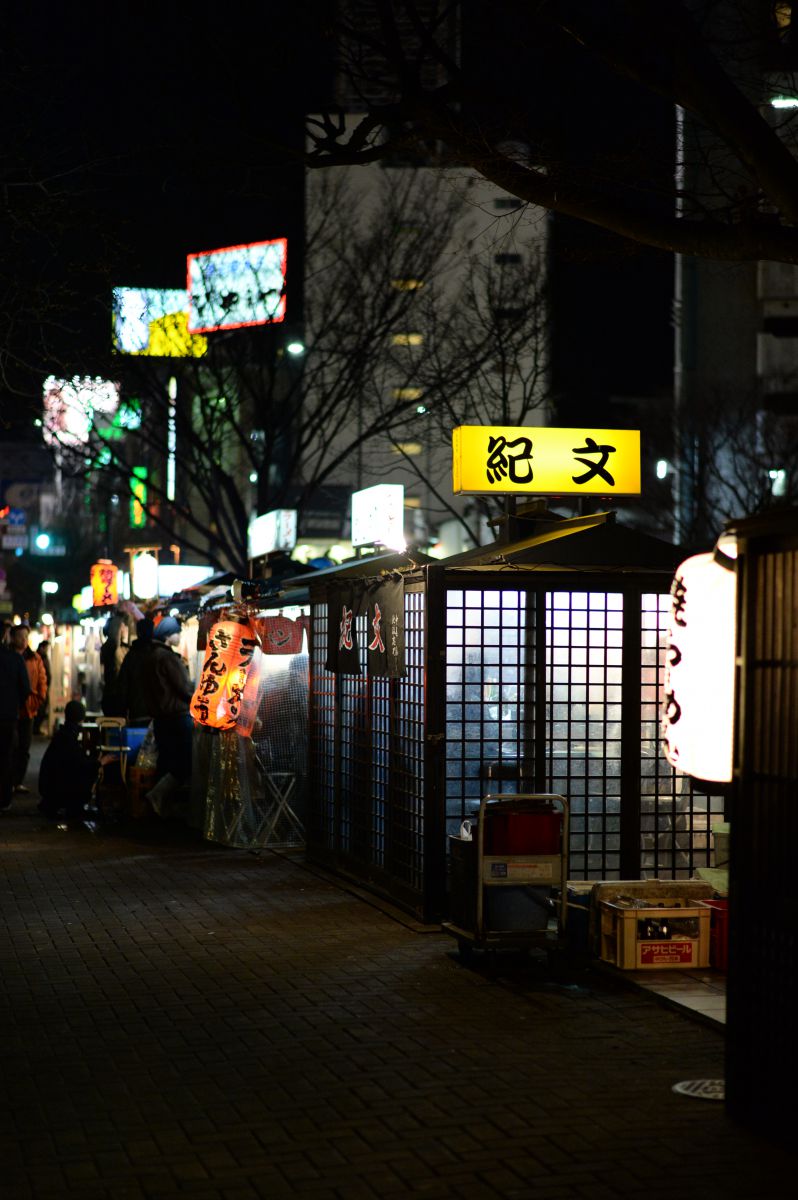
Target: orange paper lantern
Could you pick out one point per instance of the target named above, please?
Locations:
(104, 586)
(219, 696)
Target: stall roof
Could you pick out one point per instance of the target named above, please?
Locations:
(594, 543)
(371, 564)
(280, 597)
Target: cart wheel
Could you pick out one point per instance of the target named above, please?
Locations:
(465, 950)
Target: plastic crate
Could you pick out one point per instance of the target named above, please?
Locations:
(517, 832)
(134, 735)
(718, 934)
(629, 940)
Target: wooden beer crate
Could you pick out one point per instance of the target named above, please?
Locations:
(655, 936)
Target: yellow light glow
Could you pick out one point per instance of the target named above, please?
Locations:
(408, 339)
(407, 285)
(170, 338)
(408, 393)
(540, 460)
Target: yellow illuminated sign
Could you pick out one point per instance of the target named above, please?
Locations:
(541, 460)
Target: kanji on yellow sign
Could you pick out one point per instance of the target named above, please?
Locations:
(545, 461)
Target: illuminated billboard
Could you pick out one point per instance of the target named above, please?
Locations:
(271, 531)
(237, 286)
(70, 406)
(378, 516)
(545, 461)
(154, 322)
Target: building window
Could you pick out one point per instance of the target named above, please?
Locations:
(509, 314)
(507, 260)
(407, 339)
(409, 448)
(507, 203)
(407, 285)
(407, 393)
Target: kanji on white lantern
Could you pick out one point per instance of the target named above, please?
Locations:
(698, 704)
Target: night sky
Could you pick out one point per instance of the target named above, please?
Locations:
(162, 130)
(158, 131)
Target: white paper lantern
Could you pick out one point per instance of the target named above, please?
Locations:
(698, 705)
(145, 576)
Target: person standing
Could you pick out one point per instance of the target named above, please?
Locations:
(43, 651)
(131, 684)
(169, 691)
(112, 654)
(14, 691)
(34, 667)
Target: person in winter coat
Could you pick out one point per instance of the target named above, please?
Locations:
(67, 773)
(169, 690)
(20, 635)
(131, 684)
(14, 691)
(43, 651)
(112, 654)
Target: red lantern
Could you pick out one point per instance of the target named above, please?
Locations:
(104, 588)
(219, 696)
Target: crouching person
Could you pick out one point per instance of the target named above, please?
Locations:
(67, 773)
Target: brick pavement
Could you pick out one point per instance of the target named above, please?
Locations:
(184, 1020)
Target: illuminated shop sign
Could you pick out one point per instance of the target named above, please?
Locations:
(154, 322)
(272, 531)
(378, 515)
(70, 406)
(545, 461)
(237, 286)
(138, 497)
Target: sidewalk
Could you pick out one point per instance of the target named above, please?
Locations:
(184, 1020)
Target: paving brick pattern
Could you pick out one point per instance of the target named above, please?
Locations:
(179, 1019)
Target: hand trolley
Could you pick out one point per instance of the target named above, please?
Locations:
(509, 881)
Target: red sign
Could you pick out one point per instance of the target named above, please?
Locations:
(654, 954)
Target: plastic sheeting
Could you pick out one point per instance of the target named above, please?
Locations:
(255, 788)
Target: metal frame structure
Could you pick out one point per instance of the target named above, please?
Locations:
(539, 673)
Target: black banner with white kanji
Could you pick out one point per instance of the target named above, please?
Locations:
(342, 651)
(385, 628)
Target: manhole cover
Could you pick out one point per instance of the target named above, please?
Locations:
(702, 1089)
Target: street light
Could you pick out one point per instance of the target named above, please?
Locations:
(43, 541)
(296, 348)
(49, 588)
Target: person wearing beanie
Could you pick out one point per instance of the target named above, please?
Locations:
(67, 772)
(131, 682)
(169, 691)
(168, 628)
